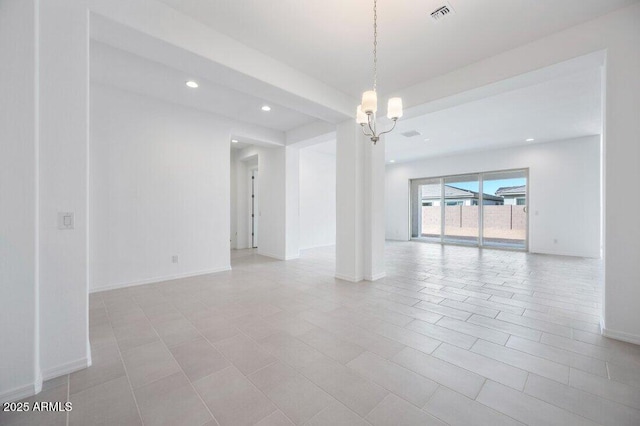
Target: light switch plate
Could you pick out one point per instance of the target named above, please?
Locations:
(65, 220)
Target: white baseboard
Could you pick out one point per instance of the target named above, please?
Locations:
(318, 246)
(375, 277)
(621, 335)
(350, 278)
(34, 388)
(37, 386)
(159, 279)
(277, 256)
(19, 393)
(69, 367)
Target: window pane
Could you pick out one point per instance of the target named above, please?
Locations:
(461, 215)
(504, 213)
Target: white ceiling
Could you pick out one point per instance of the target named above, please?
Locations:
(117, 68)
(331, 39)
(561, 108)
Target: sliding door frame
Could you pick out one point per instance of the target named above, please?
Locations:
(413, 193)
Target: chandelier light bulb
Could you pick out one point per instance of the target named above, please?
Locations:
(369, 102)
(394, 108)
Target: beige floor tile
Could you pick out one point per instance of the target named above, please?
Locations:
(336, 414)
(467, 307)
(101, 335)
(137, 333)
(297, 397)
(523, 360)
(312, 321)
(394, 411)
(505, 327)
(175, 332)
(474, 330)
(245, 354)
(277, 418)
(585, 404)
(148, 363)
(444, 310)
(625, 374)
(290, 350)
(198, 359)
(330, 345)
(571, 359)
(106, 365)
(413, 387)
(454, 377)
(171, 401)
(442, 334)
(110, 403)
(527, 409)
(458, 410)
(232, 399)
(491, 304)
(351, 389)
(482, 365)
(535, 324)
(609, 389)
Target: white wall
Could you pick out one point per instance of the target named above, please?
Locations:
(159, 186)
(63, 169)
(317, 196)
(18, 200)
(563, 198)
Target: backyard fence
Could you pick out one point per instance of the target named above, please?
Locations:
(508, 222)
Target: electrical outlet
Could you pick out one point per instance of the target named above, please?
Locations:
(65, 220)
(174, 258)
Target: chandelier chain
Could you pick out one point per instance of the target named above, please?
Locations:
(375, 44)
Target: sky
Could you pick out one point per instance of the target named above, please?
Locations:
(490, 186)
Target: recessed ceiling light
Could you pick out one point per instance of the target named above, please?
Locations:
(266, 108)
(234, 140)
(392, 161)
(191, 84)
(530, 140)
(427, 139)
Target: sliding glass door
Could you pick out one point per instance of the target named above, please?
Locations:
(482, 209)
(429, 217)
(461, 225)
(504, 224)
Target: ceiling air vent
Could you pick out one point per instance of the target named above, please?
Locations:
(442, 12)
(411, 133)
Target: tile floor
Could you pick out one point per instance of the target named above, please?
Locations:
(453, 335)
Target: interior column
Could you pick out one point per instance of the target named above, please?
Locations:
(359, 205)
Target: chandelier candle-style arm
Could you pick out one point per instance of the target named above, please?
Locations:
(366, 111)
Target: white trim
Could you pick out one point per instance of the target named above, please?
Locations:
(19, 393)
(271, 255)
(621, 335)
(376, 276)
(69, 367)
(37, 386)
(159, 279)
(351, 278)
(317, 246)
(277, 256)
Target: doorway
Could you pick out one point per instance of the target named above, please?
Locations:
(254, 208)
(482, 209)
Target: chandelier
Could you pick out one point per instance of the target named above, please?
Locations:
(366, 112)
